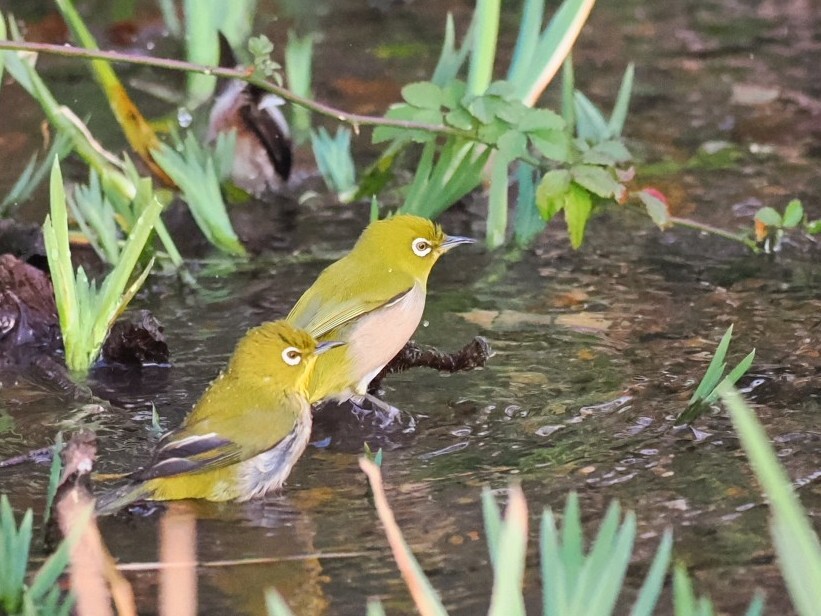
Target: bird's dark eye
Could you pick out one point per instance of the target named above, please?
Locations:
(291, 356)
(421, 246)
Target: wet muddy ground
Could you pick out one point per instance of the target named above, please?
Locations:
(597, 350)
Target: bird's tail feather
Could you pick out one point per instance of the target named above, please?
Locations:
(113, 500)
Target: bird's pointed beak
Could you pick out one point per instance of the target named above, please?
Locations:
(455, 240)
(327, 346)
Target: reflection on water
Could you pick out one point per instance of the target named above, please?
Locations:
(597, 351)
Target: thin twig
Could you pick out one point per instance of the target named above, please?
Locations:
(268, 560)
(354, 119)
(700, 226)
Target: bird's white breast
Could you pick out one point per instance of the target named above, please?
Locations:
(381, 334)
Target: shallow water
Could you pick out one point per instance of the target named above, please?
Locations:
(597, 351)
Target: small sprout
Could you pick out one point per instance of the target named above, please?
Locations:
(710, 386)
(376, 458)
(261, 48)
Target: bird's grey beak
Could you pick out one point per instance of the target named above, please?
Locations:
(327, 346)
(455, 240)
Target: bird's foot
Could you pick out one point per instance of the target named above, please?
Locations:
(386, 415)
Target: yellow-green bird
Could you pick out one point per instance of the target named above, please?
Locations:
(372, 299)
(245, 434)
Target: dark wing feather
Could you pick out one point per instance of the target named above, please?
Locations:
(270, 134)
(190, 454)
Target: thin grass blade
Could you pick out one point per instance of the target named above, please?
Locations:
(715, 369)
(554, 46)
(508, 579)
(651, 587)
(619, 115)
(797, 545)
(493, 523)
(731, 379)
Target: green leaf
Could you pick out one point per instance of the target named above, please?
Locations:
(551, 191)
(793, 214)
(553, 144)
(656, 209)
(453, 93)
(485, 108)
(539, 120)
(768, 216)
(598, 180)
(577, 209)
(814, 227)
(423, 94)
(608, 153)
(461, 119)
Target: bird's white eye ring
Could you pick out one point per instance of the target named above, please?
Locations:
(421, 246)
(291, 356)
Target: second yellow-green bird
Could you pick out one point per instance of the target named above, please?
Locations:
(372, 299)
(245, 434)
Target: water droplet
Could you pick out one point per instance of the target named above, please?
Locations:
(184, 117)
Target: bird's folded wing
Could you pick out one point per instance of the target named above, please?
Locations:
(198, 448)
(191, 454)
(319, 317)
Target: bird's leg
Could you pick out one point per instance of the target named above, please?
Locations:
(385, 412)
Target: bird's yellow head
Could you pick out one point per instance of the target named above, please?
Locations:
(410, 243)
(279, 353)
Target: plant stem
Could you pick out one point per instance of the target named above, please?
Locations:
(354, 119)
(700, 226)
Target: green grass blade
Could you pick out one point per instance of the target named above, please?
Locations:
(715, 369)
(375, 608)
(572, 549)
(493, 523)
(611, 569)
(797, 545)
(684, 600)
(508, 579)
(528, 222)
(756, 607)
(732, 378)
(112, 297)
(554, 583)
(275, 605)
(53, 476)
(497, 202)
(55, 236)
(530, 26)
(568, 99)
(483, 53)
(554, 46)
(619, 114)
(590, 123)
(451, 59)
(651, 588)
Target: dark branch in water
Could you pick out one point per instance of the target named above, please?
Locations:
(473, 355)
